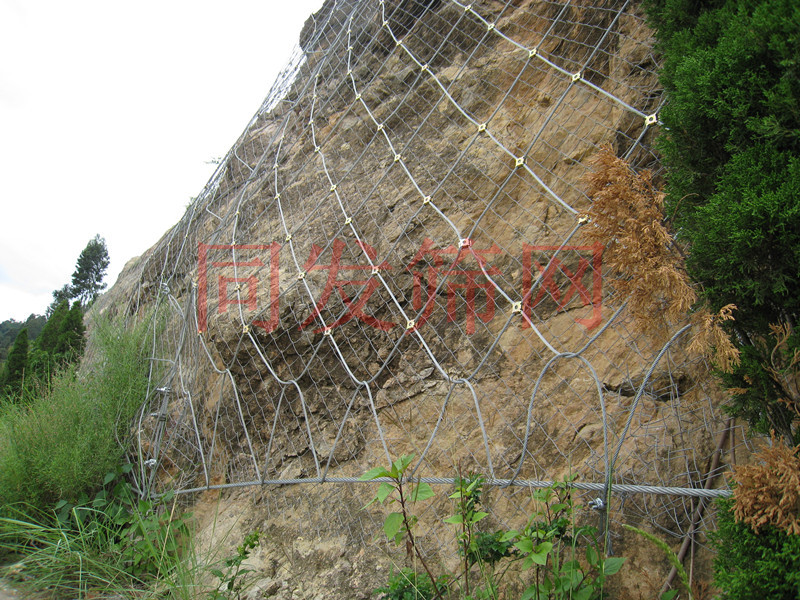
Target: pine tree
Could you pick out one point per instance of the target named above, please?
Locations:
(87, 280)
(70, 342)
(65, 293)
(48, 339)
(17, 365)
(60, 342)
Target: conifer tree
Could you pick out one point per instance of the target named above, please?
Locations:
(16, 367)
(731, 144)
(87, 280)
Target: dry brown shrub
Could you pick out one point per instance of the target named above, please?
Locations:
(627, 218)
(711, 340)
(784, 367)
(769, 493)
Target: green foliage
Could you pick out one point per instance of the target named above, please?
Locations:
(87, 280)
(110, 541)
(567, 560)
(476, 547)
(234, 580)
(61, 341)
(10, 329)
(61, 295)
(750, 565)
(60, 444)
(12, 378)
(745, 243)
(407, 584)
(757, 394)
(731, 143)
(399, 525)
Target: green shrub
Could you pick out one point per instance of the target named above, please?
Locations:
(111, 542)
(731, 145)
(60, 444)
(749, 565)
(407, 584)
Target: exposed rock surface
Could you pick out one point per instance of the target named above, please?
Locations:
(416, 200)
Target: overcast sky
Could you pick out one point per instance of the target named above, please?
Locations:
(109, 114)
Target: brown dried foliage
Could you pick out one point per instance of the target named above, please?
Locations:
(711, 339)
(627, 217)
(769, 493)
(784, 367)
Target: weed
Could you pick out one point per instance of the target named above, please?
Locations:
(234, 579)
(407, 584)
(566, 560)
(111, 541)
(399, 525)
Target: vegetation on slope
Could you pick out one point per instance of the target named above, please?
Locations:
(731, 145)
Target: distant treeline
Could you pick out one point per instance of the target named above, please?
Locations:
(10, 329)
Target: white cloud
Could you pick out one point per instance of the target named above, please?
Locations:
(109, 112)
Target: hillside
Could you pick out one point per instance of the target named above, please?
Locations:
(394, 258)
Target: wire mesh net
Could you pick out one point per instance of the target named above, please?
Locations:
(390, 261)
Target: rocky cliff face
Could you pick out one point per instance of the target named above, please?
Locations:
(389, 261)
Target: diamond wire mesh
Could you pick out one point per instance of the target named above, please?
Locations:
(389, 261)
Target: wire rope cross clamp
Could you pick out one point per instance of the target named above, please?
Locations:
(597, 504)
(651, 120)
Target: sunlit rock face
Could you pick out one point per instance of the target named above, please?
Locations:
(390, 261)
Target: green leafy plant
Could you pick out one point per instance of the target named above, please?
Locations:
(407, 584)
(142, 532)
(61, 443)
(484, 549)
(731, 145)
(399, 525)
(233, 580)
(567, 560)
(110, 541)
(550, 544)
(754, 565)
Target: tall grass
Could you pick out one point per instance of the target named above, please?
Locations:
(67, 562)
(60, 442)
